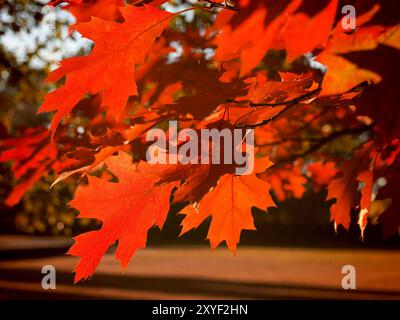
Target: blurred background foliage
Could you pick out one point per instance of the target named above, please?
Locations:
(28, 50)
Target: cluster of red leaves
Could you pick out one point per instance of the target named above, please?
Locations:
(261, 75)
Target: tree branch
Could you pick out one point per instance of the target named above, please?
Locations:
(288, 104)
(296, 100)
(322, 142)
(224, 5)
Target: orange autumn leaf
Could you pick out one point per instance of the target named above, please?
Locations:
(110, 67)
(127, 209)
(32, 156)
(84, 10)
(367, 178)
(287, 182)
(344, 188)
(271, 25)
(322, 173)
(250, 39)
(296, 35)
(229, 204)
(343, 74)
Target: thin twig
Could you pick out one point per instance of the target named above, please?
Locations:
(296, 100)
(289, 104)
(324, 141)
(224, 5)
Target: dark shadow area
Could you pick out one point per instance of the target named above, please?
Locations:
(189, 286)
(22, 254)
(14, 294)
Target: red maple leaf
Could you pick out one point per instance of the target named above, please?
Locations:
(229, 204)
(127, 209)
(344, 188)
(110, 68)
